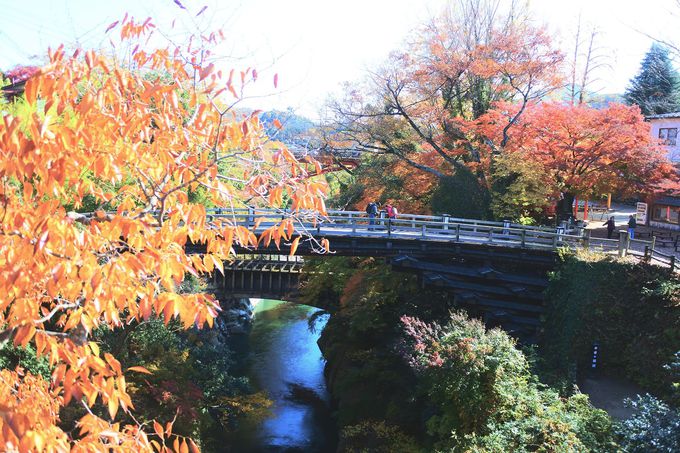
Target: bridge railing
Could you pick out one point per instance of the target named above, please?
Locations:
(433, 228)
(445, 228)
(408, 226)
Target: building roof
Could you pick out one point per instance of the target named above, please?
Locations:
(670, 201)
(663, 115)
(13, 91)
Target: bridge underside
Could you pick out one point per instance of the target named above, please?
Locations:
(511, 298)
(386, 247)
(258, 277)
(496, 285)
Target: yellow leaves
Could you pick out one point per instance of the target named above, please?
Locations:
(112, 406)
(211, 261)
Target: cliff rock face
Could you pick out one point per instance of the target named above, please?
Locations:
(236, 316)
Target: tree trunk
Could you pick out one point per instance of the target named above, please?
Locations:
(564, 209)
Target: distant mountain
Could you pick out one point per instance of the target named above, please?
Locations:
(296, 131)
(600, 101)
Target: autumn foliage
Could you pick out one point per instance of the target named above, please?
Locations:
(581, 150)
(133, 144)
(476, 88)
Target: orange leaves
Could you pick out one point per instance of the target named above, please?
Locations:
(294, 246)
(129, 147)
(211, 262)
(205, 72)
(130, 29)
(139, 369)
(284, 230)
(28, 420)
(590, 151)
(111, 26)
(158, 429)
(326, 245)
(276, 196)
(23, 335)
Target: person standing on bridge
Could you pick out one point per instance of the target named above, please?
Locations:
(372, 211)
(610, 227)
(391, 211)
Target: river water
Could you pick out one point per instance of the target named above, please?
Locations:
(287, 364)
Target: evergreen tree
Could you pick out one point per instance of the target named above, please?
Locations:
(655, 87)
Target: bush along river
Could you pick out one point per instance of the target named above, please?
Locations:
(285, 363)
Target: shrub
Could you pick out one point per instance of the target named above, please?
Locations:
(484, 397)
(654, 427)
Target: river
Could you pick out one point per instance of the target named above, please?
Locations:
(286, 363)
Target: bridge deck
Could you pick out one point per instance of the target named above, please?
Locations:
(410, 232)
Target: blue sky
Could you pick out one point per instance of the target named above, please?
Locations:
(314, 45)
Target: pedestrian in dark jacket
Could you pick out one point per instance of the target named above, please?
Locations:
(631, 227)
(610, 227)
(372, 211)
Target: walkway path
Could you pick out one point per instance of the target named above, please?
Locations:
(608, 393)
(621, 213)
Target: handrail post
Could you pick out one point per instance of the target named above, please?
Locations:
(524, 237)
(623, 243)
(424, 230)
(490, 234)
(559, 231)
(446, 221)
(672, 263)
(653, 244)
(251, 218)
(389, 227)
(457, 232)
(586, 239)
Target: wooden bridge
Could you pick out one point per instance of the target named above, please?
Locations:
(353, 233)
(496, 270)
